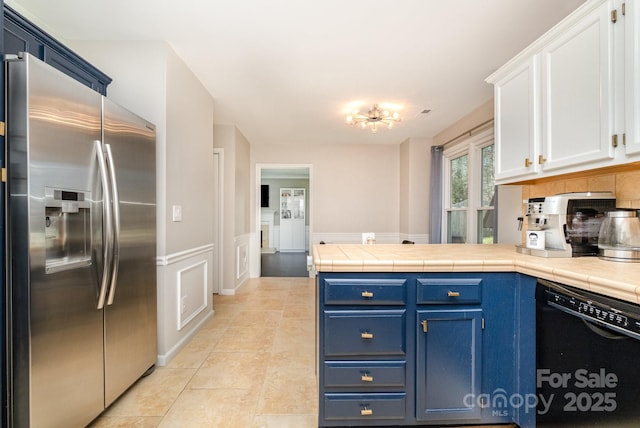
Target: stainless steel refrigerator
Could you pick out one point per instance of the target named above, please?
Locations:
(81, 201)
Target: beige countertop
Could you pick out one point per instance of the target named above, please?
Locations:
(617, 279)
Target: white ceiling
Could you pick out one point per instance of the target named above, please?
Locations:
(285, 71)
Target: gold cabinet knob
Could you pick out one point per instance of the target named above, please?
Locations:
(366, 412)
(367, 294)
(367, 377)
(366, 335)
(541, 159)
(527, 163)
(453, 293)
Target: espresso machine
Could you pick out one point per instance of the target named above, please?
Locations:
(565, 225)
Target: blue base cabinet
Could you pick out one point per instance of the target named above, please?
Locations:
(418, 349)
(448, 365)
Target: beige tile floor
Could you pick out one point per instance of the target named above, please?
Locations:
(252, 365)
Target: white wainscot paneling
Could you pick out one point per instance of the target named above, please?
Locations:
(242, 259)
(247, 249)
(185, 298)
(192, 292)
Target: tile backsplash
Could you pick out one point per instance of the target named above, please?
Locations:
(623, 181)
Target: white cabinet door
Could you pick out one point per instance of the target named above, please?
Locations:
(517, 132)
(292, 219)
(577, 93)
(632, 78)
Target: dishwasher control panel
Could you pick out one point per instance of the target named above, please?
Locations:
(618, 316)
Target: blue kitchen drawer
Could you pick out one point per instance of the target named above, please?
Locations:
(363, 407)
(449, 291)
(367, 332)
(364, 374)
(343, 291)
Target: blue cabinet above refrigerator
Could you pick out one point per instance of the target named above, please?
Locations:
(21, 35)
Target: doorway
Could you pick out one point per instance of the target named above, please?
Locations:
(277, 185)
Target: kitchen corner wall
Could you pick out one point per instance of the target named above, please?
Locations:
(415, 158)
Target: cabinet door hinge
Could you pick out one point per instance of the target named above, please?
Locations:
(614, 16)
(614, 140)
(483, 323)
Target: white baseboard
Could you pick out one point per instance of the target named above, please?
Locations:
(163, 359)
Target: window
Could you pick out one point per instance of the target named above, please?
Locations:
(469, 190)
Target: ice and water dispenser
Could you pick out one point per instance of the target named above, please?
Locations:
(67, 229)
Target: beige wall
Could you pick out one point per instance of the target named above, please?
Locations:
(415, 158)
(476, 117)
(243, 184)
(355, 188)
(189, 158)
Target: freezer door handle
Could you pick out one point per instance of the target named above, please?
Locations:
(107, 224)
(115, 207)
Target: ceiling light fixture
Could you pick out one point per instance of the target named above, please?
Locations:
(373, 118)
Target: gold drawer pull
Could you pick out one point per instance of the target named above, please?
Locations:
(366, 335)
(366, 412)
(367, 294)
(453, 294)
(367, 378)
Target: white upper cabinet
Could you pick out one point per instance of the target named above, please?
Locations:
(517, 132)
(632, 78)
(578, 93)
(570, 100)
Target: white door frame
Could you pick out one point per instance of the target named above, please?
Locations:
(256, 264)
(218, 211)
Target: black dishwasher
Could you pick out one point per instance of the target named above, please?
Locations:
(587, 359)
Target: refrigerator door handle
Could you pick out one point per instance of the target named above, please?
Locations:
(115, 206)
(107, 224)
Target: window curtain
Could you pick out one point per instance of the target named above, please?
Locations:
(435, 196)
